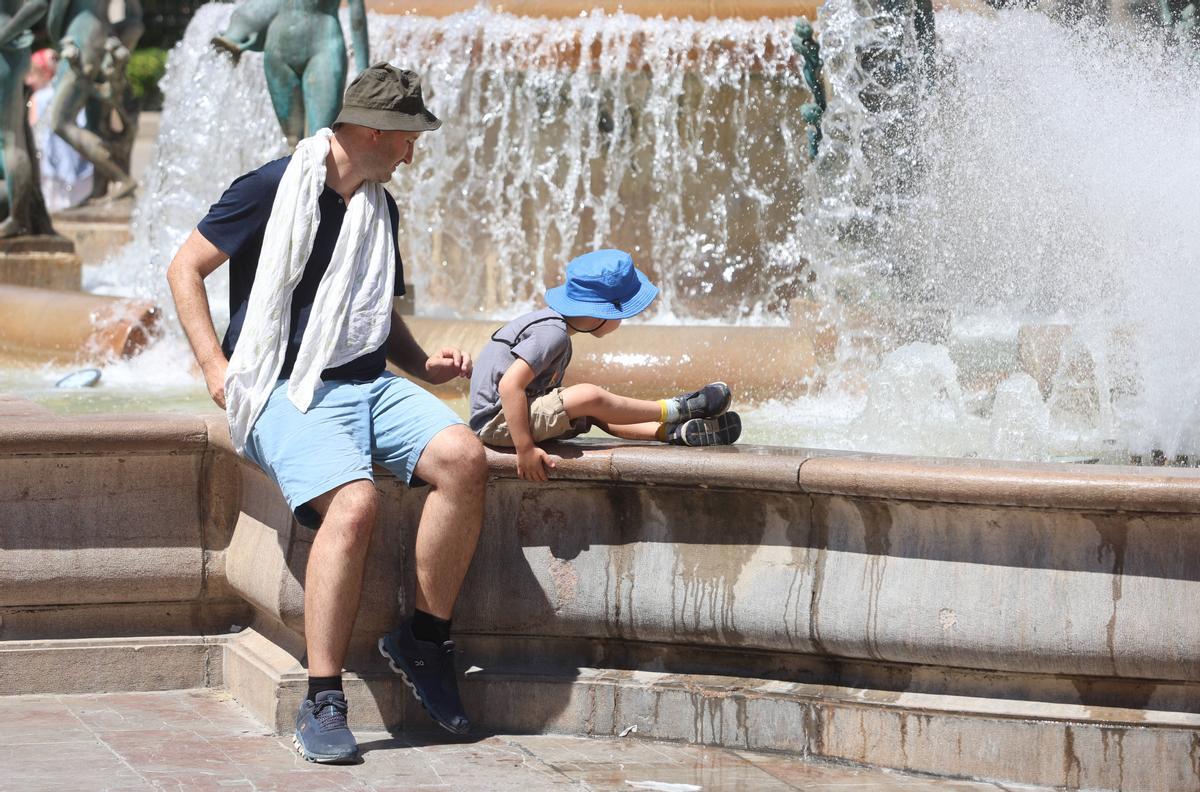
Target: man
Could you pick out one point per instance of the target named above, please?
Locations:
(314, 263)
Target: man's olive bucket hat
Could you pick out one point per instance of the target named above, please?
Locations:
(387, 98)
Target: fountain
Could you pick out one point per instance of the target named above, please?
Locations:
(1009, 282)
(1006, 250)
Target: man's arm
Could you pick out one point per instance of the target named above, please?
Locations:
(531, 460)
(404, 351)
(194, 262)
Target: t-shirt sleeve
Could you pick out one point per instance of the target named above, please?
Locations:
(241, 213)
(394, 212)
(542, 346)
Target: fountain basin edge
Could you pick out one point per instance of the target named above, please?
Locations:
(856, 607)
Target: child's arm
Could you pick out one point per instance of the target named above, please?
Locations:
(531, 460)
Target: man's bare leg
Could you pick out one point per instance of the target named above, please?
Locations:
(333, 578)
(454, 465)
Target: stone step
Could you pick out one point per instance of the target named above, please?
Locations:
(956, 736)
(998, 740)
(102, 665)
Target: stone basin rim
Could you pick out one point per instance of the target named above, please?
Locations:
(1097, 488)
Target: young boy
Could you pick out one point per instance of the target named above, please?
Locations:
(517, 398)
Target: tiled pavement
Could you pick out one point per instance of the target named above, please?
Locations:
(203, 740)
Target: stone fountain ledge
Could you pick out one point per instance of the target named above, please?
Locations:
(1013, 622)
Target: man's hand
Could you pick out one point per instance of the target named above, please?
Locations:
(533, 464)
(447, 364)
(214, 377)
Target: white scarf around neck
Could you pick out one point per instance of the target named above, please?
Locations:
(352, 311)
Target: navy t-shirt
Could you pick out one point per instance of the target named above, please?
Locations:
(236, 224)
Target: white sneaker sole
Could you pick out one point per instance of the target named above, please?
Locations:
(322, 758)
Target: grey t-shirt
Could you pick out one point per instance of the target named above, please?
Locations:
(540, 339)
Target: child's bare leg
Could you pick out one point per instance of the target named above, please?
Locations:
(592, 401)
(648, 430)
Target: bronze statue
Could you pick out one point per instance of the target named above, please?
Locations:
(92, 68)
(304, 56)
(247, 30)
(27, 210)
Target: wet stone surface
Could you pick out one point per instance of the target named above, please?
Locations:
(203, 740)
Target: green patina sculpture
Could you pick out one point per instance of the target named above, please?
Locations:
(1185, 28)
(27, 210)
(806, 46)
(247, 30)
(304, 56)
(92, 69)
(1165, 14)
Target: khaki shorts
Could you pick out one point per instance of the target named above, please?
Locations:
(547, 421)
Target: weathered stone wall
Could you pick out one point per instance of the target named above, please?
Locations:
(772, 598)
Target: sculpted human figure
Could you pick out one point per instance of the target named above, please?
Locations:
(130, 29)
(88, 58)
(27, 212)
(304, 56)
(247, 30)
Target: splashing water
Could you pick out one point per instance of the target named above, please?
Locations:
(1008, 258)
(561, 136)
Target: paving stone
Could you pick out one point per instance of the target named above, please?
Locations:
(40, 719)
(201, 740)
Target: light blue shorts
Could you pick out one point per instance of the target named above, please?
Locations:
(349, 426)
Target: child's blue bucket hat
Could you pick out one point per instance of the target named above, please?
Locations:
(603, 284)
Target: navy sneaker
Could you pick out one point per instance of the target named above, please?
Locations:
(428, 669)
(725, 429)
(708, 402)
(321, 731)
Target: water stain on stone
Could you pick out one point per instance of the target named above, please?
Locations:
(743, 719)
(796, 605)
(877, 526)
(709, 575)
(1114, 539)
(820, 523)
(862, 736)
(1117, 736)
(706, 708)
(618, 573)
(1194, 756)
(1071, 761)
(813, 723)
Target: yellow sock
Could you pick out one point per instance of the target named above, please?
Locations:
(662, 406)
(661, 433)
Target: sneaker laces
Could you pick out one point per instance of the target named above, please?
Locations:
(331, 713)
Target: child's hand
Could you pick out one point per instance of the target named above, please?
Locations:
(533, 464)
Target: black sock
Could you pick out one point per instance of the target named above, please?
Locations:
(321, 684)
(427, 627)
